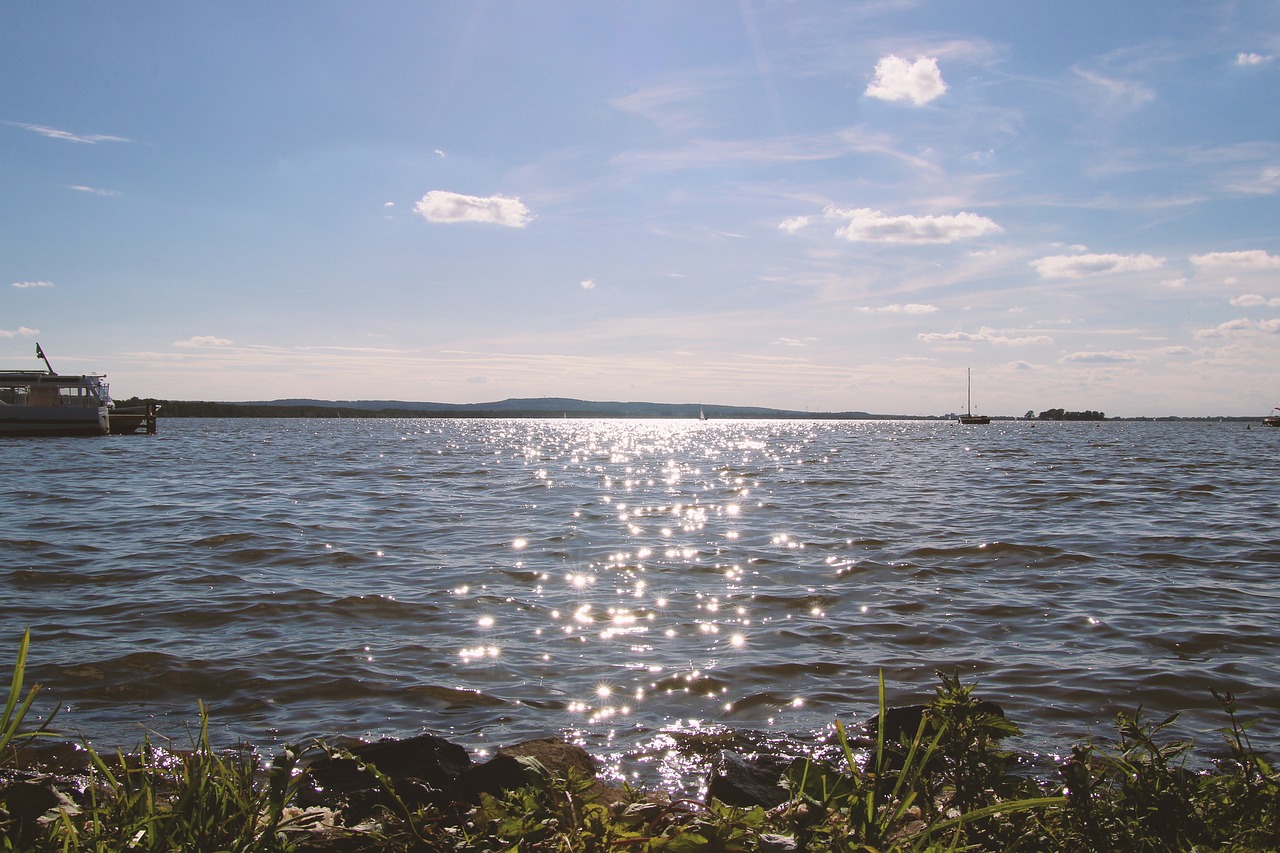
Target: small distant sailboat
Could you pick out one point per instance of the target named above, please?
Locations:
(702, 416)
(969, 417)
(1273, 419)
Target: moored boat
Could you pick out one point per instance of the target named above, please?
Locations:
(1273, 419)
(44, 402)
(969, 417)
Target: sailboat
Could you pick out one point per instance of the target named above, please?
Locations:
(969, 417)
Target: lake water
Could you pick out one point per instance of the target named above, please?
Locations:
(616, 580)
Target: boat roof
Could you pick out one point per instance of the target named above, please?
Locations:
(45, 376)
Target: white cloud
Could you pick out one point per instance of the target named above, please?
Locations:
(1240, 327)
(1253, 259)
(54, 133)
(794, 224)
(873, 226)
(587, 284)
(22, 331)
(1083, 266)
(1253, 300)
(32, 284)
(1100, 358)
(898, 80)
(443, 206)
(1252, 59)
(203, 341)
(984, 336)
(912, 308)
(794, 342)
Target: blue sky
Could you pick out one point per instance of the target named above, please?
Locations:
(809, 205)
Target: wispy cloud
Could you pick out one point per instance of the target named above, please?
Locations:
(896, 79)
(24, 284)
(797, 148)
(443, 206)
(1100, 358)
(985, 336)
(55, 133)
(1084, 266)
(20, 332)
(912, 308)
(1253, 59)
(673, 106)
(201, 341)
(93, 190)
(1117, 92)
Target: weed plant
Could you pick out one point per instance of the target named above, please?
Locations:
(947, 786)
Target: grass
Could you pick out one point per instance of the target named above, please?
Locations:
(947, 786)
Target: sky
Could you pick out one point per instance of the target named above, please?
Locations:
(820, 206)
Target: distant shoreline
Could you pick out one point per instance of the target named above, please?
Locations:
(557, 408)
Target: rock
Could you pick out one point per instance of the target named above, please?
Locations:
(497, 775)
(558, 756)
(419, 768)
(510, 769)
(26, 805)
(770, 843)
(902, 722)
(738, 781)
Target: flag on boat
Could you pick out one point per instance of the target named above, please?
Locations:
(39, 352)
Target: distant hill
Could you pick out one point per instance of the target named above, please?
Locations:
(546, 407)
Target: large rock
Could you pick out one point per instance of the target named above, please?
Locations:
(510, 769)
(421, 769)
(747, 782)
(26, 806)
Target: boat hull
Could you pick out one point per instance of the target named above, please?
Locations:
(53, 420)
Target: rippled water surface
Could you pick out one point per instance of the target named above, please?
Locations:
(492, 580)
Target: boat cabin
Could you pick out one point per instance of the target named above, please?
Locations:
(34, 402)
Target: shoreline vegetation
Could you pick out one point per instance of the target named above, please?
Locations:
(916, 778)
(556, 407)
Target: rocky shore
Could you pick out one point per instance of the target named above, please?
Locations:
(907, 779)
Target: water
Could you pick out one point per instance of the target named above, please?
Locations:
(493, 580)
